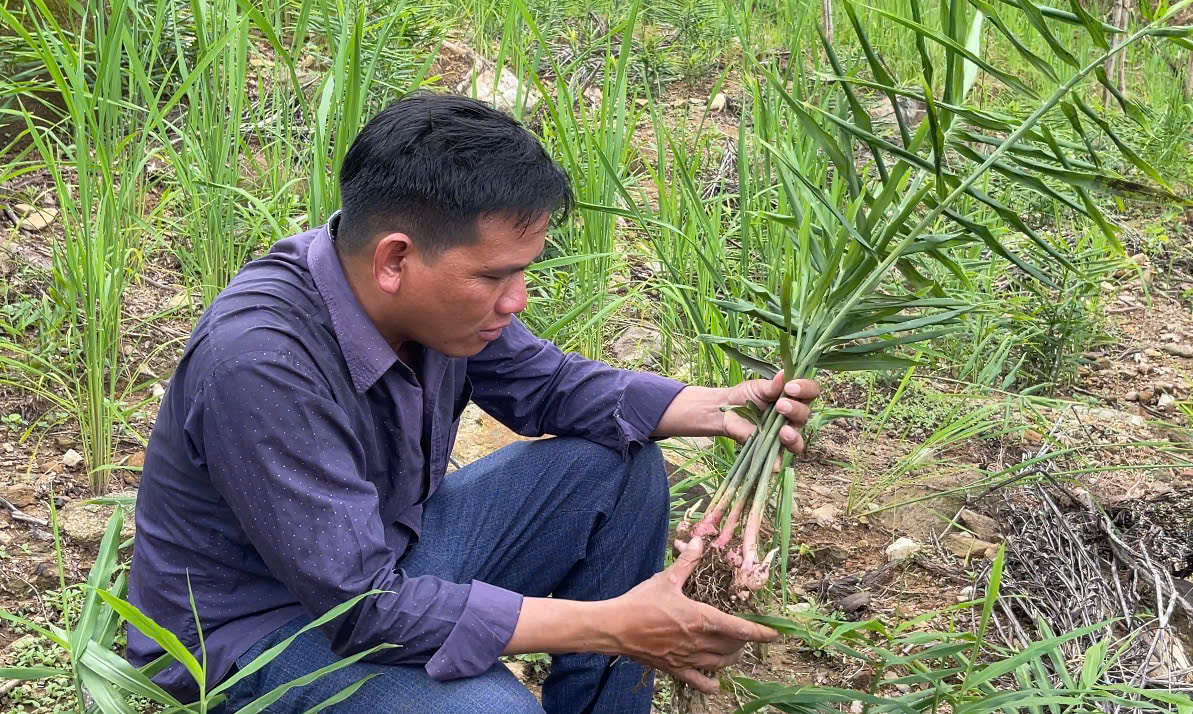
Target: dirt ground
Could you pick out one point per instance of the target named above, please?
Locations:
(1128, 393)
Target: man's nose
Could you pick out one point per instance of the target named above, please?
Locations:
(514, 299)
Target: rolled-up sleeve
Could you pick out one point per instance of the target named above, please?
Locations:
(532, 387)
(281, 452)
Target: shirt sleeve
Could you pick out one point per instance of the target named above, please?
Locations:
(533, 388)
(282, 453)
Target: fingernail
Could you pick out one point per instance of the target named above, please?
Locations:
(793, 390)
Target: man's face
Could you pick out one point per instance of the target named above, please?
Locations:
(459, 302)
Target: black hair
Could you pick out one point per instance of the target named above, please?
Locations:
(430, 165)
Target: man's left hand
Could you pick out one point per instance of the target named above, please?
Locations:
(794, 399)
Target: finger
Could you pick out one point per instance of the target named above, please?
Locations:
(769, 391)
(720, 623)
(713, 662)
(689, 558)
(803, 389)
(796, 412)
(699, 681)
(738, 429)
(792, 440)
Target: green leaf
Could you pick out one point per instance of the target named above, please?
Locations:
(845, 362)
(262, 703)
(342, 694)
(952, 47)
(26, 674)
(165, 639)
(118, 671)
(268, 655)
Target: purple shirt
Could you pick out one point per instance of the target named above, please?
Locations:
(293, 452)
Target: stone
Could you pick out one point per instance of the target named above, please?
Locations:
(1165, 402)
(480, 435)
(85, 523)
(1132, 396)
(21, 495)
(902, 549)
(830, 556)
(32, 218)
(856, 707)
(1169, 337)
(1147, 394)
(637, 345)
(158, 391)
(504, 93)
(800, 611)
(982, 526)
(856, 601)
(1104, 363)
(826, 516)
(1153, 353)
(718, 103)
(1033, 437)
(1178, 350)
(72, 459)
(966, 594)
(964, 546)
(180, 299)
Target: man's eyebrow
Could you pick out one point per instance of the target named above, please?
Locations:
(511, 269)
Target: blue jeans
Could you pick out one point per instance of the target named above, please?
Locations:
(562, 517)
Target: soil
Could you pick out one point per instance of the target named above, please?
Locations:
(1122, 394)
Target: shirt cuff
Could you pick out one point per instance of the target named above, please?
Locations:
(479, 636)
(641, 407)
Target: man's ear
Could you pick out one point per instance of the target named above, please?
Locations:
(390, 258)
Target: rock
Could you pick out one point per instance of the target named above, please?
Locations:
(32, 218)
(856, 707)
(1164, 387)
(718, 102)
(1165, 402)
(856, 601)
(520, 669)
(72, 459)
(1132, 396)
(800, 611)
(964, 546)
(1169, 337)
(479, 435)
(21, 495)
(1033, 437)
(982, 526)
(826, 516)
(505, 93)
(180, 299)
(1104, 363)
(1153, 353)
(8, 447)
(637, 345)
(966, 594)
(1146, 395)
(158, 391)
(830, 556)
(85, 524)
(902, 549)
(1185, 351)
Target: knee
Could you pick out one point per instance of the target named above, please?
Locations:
(499, 691)
(648, 474)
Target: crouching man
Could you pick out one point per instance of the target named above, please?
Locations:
(299, 455)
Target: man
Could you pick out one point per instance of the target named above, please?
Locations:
(298, 458)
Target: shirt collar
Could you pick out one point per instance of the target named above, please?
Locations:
(365, 350)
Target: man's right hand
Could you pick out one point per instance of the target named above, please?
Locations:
(657, 625)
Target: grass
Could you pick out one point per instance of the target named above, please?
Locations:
(185, 137)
